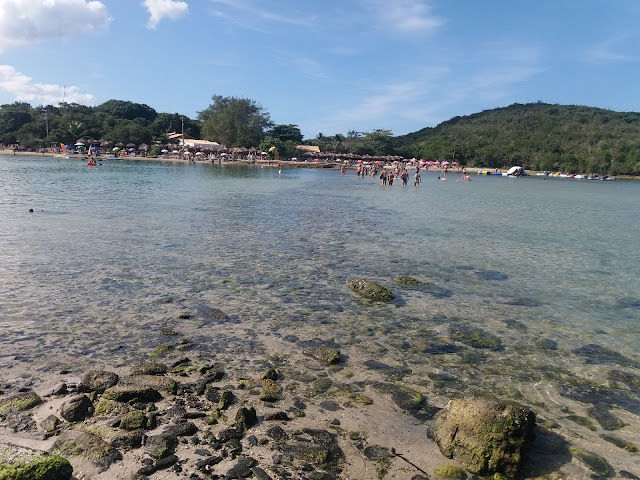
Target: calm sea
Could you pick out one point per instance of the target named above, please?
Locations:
(113, 253)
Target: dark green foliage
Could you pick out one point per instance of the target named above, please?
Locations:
(234, 122)
(536, 136)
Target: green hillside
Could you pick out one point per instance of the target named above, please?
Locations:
(537, 136)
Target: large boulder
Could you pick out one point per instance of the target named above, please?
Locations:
(371, 290)
(486, 435)
(76, 408)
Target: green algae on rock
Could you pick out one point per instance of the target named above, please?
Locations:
(323, 354)
(450, 472)
(371, 290)
(19, 402)
(620, 443)
(407, 281)
(133, 420)
(77, 443)
(592, 461)
(486, 435)
(21, 463)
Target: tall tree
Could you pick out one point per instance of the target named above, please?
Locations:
(234, 122)
(286, 132)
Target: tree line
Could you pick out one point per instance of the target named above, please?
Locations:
(537, 136)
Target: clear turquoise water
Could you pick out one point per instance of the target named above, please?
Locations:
(115, 252)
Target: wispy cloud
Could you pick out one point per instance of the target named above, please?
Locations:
(405, 16)
(252, 15)
(160, 9)
(611, 51)
(489, 75)
(28, 22)
(24, 89)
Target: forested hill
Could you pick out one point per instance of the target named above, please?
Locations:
(537, 136)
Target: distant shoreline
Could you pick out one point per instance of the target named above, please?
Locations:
(285, 163)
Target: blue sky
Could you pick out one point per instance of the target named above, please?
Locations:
(329, 66)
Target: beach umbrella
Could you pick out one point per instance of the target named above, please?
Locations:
(116, 149)
(164, 151)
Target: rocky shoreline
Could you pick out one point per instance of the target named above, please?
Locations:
(284, 414)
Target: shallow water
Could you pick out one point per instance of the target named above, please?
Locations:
(113, 253)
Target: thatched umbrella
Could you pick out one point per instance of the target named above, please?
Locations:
(143, 146)
(105, 144)
(131, 145)
(120, 144)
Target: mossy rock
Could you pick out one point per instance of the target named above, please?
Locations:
(163, 348)
(161, 384)
(160, 446)
(19, 402)
(246, 417)
(271, 391)
(21, 463)
(407, 281)
(133, 420)
(450, 472)
(317, 447)
(323, 354)
(486, 435)
(110, 408)
(592, 461)
(371, 290)
(149, 368)
(86, 446)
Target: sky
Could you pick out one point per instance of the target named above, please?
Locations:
(328, 66)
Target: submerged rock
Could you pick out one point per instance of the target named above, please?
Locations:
(407, 281)
(474, 337)
(491, 275)
(620, 443)
(323, 354)
(592, 461)
(605, 418)
(21, 463)
(407, 399)
(371, 290)
(486, 435)
(599, 395)
(629, 379)
(598, 354)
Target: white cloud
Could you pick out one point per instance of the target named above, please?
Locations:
(405, 16)
(28, 22)
(24, 89)
(159, 9)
